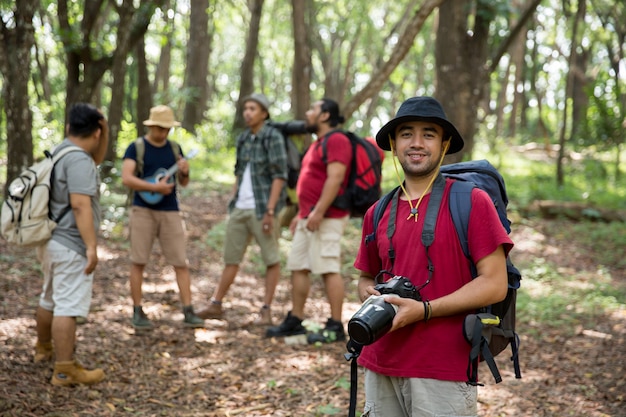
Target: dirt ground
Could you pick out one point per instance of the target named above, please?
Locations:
(230, 369)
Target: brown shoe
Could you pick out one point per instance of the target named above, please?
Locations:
(72, 373)
(43, 352)
(213, 311)
(265, 317)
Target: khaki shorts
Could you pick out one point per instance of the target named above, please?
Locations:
(319, 251)
(66, 289)
(392, 396)
(167, 226)
(242, 226)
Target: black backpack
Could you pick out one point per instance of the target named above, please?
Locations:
(294, 156)
(363, 188)
(491, 329)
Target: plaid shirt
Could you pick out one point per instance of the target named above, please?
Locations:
(268, 158)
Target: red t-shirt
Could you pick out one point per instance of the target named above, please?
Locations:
(313, 174)
(435, 349)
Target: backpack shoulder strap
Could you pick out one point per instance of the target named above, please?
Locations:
(140, 152)
(324, 142)
(379, 209)
(56, 156)
(460, 207)
(175, 148)
(432, 212)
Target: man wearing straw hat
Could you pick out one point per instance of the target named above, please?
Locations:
(160, 219)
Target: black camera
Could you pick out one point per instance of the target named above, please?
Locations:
(375, 316)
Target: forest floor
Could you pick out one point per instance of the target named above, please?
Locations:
(229, 368)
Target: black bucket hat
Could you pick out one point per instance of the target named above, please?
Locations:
(425, 109)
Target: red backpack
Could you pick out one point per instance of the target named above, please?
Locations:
(363, 188)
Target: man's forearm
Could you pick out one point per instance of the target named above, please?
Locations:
(84, 219)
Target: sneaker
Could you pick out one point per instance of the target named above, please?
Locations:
(43, 352)
(333, 332)
(265, 317)
(213, 311)
(72, 373)
(191, 319)
(140, 320)
(291, 326)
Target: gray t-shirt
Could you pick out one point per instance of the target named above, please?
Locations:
(74, 173)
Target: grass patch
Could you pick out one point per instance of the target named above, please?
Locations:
(562, 299)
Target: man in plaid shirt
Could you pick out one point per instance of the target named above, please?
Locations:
(261, 171)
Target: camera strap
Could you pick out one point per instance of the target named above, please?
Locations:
(428, 232)
(354, 350)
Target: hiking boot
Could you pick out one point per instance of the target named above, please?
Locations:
(72, 373)
(191, 319)
(333, 332)
(213, 311)
(265, 317)
(291, 326)
(140, 320)
(43, 352)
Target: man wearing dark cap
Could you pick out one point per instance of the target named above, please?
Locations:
(419, 367)
(261, 172)
(69, 258)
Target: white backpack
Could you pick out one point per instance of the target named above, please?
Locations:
(25, 218)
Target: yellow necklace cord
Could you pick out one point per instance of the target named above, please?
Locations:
(413, 212)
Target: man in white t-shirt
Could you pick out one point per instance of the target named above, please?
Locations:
(261, 171)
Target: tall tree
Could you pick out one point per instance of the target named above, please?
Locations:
(88, 57)
(564, 136)
(16, 42)
(197, 63)
(463, 60)
(145, 92)
(162, 73)
(246, 84)
(302, 66)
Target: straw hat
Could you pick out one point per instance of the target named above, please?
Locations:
(425, 109)
(161, 116)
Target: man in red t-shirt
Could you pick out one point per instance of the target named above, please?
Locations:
(318, 227)
(419, 367)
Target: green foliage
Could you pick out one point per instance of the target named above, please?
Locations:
(565, 299)
(329, 410)
(530, 178)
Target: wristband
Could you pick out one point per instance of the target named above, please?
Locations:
(428, 310)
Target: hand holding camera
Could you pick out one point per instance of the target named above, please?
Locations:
(375, 317)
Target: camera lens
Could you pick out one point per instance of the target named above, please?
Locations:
(372, 321)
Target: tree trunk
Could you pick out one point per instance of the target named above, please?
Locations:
(162, 76)
(246, 85)
(84, 70)
(518, 54)
(118, 73)
(197, 66)
(461, 75)
(301, 76)
(563, 136)
(144, 88)
(16, 43)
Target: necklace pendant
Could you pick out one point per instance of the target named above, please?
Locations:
(414, 211)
